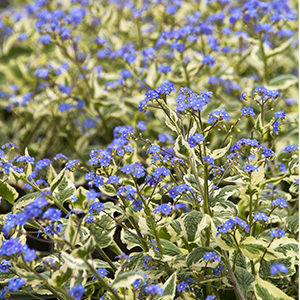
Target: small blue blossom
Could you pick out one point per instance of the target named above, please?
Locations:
(208, 60)
(97, 206)
(43, 163)
(211, 256)
(92, 195)
(218, 114)
(181, 206)
(274, 269)
(15, 283)
(163, 208)
(164, 137)
(76, 292)
(154, 289)
(280, 115)
(261, 217)
(247, 111)
(209, 159)
(72, 163)
(164, 69)
(249, 168)
(141, 125)
(102, 272)
(53, 214)
(277, 233)
(290, 148)
(279, 202)
(195, 140)
(4, 265)
(114, 179)
(42, 73)
(182, 286)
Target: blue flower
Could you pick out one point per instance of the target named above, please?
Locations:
(218, 114)
(195, 140)
(274, 269)
(277, 233)
(71, 163)
(141, 125)
(15, 283)
(113, 179)
(92, 195)
(290, 148)
(154, 289)
(163, 208)
(45, 39)
(247, 111)
(164, 69)
(261, 217)
(164, 137)
(53, 214)
(41, 73)
(97, 206)
(208, 60)
(102, 272)
(280, 115)
(29, 254)
(209, 159)
(181, 286)
(43, 163)
(279, 202)
(76, 292)
(181, 206)
(4, 265)
(210, 297)
(211, 256)
(249, 168)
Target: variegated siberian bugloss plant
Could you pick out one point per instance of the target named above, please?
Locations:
(149, 150)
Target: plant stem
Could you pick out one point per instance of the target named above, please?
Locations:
(235, 284)
(102, 281)
(104, 255)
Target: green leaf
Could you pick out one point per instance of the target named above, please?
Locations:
(283, 82)
(8, 193)
(265, 290)
(223, 194)
(62, 187)
(181, 147)
(169, 248)
(72, 262)
(257, 177)
(87, 249)
(105, 232)
(125, 279)
(283, 46)
(252, 248)
(191, 181)
(71, 232)
(169, 288)
(59, 277)
(292, 223)
(51, 174)
(218, 153)
(244, 279)
(190, 224)
(130, 238)
(285, 247)
(171, 124)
